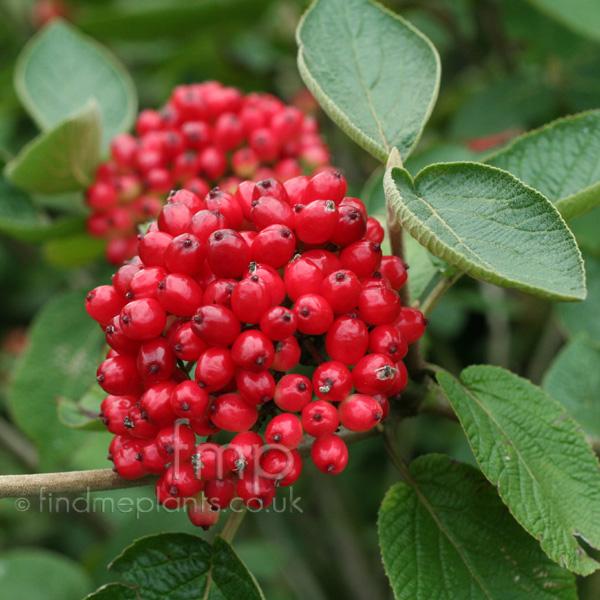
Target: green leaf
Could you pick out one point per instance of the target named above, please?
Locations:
(63, 354)
(490, 225)
(372, 72)
(446, 534)
(584, 317)
(82, 413)
(60, 71)
(560, 161)
(74, 251)
(574, 380)
(582, 16)
(35, 574)
(21, 220)
(61, 159)
(179, 566)
(113, 591)
(527, 445)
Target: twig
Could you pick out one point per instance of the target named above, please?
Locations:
(311, 348)
(232, 525)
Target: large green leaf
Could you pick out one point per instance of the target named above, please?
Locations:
(61, 360)
(574, 380)
(446, 535)
(60, 71)
(21, 220)
(372, 72)
(62, 159)
(527, 445)
(582, 16)
(34, 574)
(82, 413)
(180, 566)
(561, 160)
(584, 317)
(490, 225)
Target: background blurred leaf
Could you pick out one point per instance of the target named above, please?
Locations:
(63, 355)
(432, 531)
(62, 159)
(584, 317)
(36, 574)
(82, 413)
(488, 224)
(560, 160)
(74, 251)
(581, 16)
(21, 220)
(574, 380)
(551, 492)
(113, 591)
(60, 71)
(373, 73)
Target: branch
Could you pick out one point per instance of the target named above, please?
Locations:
(18, 445)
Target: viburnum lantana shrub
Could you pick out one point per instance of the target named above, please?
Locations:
(205, 134)
(262, 324)
(208, 325)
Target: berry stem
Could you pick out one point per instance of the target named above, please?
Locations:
(233, 522)
(310, 347)
(438, 293)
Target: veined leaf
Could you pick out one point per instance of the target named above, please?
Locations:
(490, 225)
(528, 446)
(61, 159)
(561, 160)
(372, 72)
(446, 535)
(60, 71)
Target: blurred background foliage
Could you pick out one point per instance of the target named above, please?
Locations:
(507, 67)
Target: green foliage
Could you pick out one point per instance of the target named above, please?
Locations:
(559, 160)
(82, 413)
(574, 380)
(178, 566)
(56, 577)
(520, 437)
(487, 223)
(60, 70)
(61, 360)
(73, 251)
(61, 159)
(373, 73)
(19, 218)
(446, 534)
(581, 16)
(113, 591)
(584, 317)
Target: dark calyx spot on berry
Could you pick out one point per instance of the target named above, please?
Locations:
(144, 414)
(393, 349)
(265, 184)
(298, 208)
(196, 462)
(129, 296)
(126, 319)
(110, 456)
(265, 399)
(278, 347)
(277, 437)
(139, 457)
(327, 387)
(154, 369)
(201, 384)
(285, 232)
(330, 468)
(213, 408)
(128, 423)
(376, 247)
(340, 276)
(177, 348)
(187, 243)
(169, 449)
(254, 202)
(317, 417)
(330, 206)
(240, 464)
(254, 278)
(302, 386)
(260, 361)
(90, 297)
(218, 236)
(198, 319)
(173, 490)
(161, 285)
(185, 406)
(377, 416)
(337, 174)
(353, 215)
(377, 275)
(385, 372)
(425, 322)
(171, 194)
(286, 317)
(100, 378)
(105, 421)
(110, 330)
(305, 311)
(215, 193)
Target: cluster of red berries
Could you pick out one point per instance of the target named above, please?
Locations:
(236, 311)
(205, 134)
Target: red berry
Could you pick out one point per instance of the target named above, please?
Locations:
(330, 454)
(375, 232)
(219, 292)
(378, 305)
(256, 492)
(126, 464)
(327, 185)
(411, 324)
(342, 290)
(332, 381)
(386, 339)
(118, 341)
(231, 413)
(143, 319)
(185, 344)
(351, 226)
(103, 303)
(221, 492)
(293, 392)
(152, 248)
(176, 442)
(285, 430)
(347, 340)
(202, 514)
(287, 354)
(271, 211)
(156, 404)
(189, 400)
(284, 467)
(255, 388)
(316, 222)
(214, 369)
(394, 270)
(360, 413)
(179, 294)
(273, 246)
(302, 276)
(250, 299)
(227, 205)
(144, 284)
(313, 314)
(216, 325)
(119, 376)
(320, 418)
(185, 254)
(228, 254)
(362, 257)
(150, 459)
(155, 361)
(253, 351)
(278, 323)
(374, 374)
